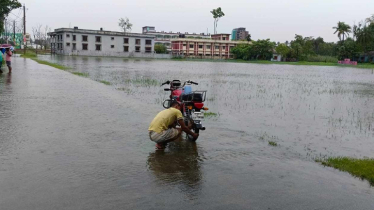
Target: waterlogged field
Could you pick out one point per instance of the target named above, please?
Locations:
(313, 110)
(77, 138)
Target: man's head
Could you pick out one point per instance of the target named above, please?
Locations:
(7, 49)
(175, 104)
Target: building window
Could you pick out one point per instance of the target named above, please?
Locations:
(148, 49)
(84, 46)
(74, 46)
(98, 47)
(217, 47)
(208, 47)
(111, 46)
(137, 41)
(84, 38)
(74, 37)
(148, 42)
(67, 44)
(67, 35)
(126, 40)
(191, 45)
(223, 38)
(200, 46)
(112, 38)
(184, 45)
(137, 49)
(223, 47)
(98, 38)
(125, 48)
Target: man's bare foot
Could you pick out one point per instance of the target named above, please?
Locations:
(160, 146)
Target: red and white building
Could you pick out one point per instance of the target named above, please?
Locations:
(218, 47)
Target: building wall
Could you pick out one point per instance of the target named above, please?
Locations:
(166, 38)
(65, 45)
(203, 48)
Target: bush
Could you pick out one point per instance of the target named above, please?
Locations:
(321, 58)
(160, 48)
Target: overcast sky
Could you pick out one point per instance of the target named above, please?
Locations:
(278, 20)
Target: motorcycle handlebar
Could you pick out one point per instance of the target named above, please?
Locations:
(195, 83)
(167, 82)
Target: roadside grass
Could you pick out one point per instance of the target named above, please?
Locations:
(80, 74)
(210, 114)
(105, 82)
(33, 57)
(301, 63)
(273, 143)
(362, 168)
(143, 81)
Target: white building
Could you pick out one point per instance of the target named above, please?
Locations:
(74, 41)
(276, 57)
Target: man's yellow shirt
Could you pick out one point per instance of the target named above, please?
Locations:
(164, 119)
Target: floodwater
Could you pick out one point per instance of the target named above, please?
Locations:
(69, 142)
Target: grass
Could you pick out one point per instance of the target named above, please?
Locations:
(143, 81)
(210, 114)
(301, 63)
(105, 82)
(362, 168)
(81, 74)
(273, 143)
(33, 56)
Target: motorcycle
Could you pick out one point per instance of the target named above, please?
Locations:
(192, 103)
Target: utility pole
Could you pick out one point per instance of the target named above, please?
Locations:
(14, 32)
(24, 30)
(6, 32)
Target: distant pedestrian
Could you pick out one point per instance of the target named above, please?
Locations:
(8, 59)
(1, 62)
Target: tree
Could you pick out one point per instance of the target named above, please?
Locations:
(365, 36)
(125, 24)
(263, 49)
(283, 50)
(243, 51)
(248, 38)
(370, 19)
(6, 6)
(342, 29)
(348, 49)
(317, 43)
(217, 14)
(40, 34)
(160, 48)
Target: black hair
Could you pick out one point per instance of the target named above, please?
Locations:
(174, 102)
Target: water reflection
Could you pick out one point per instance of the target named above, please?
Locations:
(179, 165)
(9, 79)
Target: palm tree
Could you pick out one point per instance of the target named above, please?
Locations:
(342, 29)
(217, 14)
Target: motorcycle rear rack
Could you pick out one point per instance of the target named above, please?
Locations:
(192, 95)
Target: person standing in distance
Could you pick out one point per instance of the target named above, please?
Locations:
(8, 59)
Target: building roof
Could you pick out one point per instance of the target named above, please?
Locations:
(99, 32)
(219, 34)
(211, 41)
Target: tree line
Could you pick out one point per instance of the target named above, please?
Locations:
(361, 43)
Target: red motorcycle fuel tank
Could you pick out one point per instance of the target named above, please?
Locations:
(177, 93)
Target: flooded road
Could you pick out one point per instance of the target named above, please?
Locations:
(69, 142)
